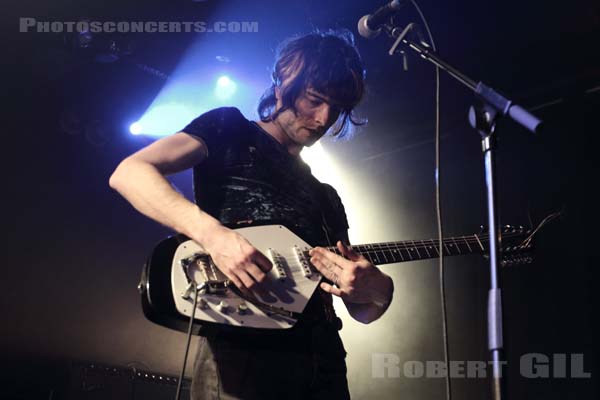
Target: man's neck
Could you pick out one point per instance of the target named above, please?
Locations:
(277, 132)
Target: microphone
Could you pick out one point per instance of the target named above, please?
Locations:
(369, 26)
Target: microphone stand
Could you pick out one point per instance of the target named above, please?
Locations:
(482, 118)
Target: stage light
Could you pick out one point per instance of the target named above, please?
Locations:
(225, 88)
(135, 128)
(164, 119)
(223, 81)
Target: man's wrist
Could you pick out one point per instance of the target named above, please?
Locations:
(202, 225)
(384, 296)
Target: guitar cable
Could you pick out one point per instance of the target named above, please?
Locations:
(189, 339)
(438, 205)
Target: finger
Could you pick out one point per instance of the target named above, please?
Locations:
(331, 289)
(330, 256)
(347, 251)
(245, 278)
(262, 261)
(256, 273)
(235, 280)
(259, 277)
(323, 268)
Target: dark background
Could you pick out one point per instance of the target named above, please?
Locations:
(74, 248)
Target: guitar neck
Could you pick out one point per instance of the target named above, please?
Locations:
(413, 250)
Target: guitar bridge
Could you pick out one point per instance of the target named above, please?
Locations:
(218, 288)
(212, 281)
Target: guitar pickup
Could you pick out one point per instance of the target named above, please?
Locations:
(302, 257)
(278, 264)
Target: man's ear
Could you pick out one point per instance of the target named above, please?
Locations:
(278, 93)
(278, 101)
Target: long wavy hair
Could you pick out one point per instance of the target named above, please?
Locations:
(329, 63)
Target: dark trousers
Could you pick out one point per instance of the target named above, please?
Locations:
(304, 363)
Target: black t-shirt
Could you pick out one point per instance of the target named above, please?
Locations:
(248, 178)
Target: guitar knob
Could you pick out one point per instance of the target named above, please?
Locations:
(223, 306)
(242, 309)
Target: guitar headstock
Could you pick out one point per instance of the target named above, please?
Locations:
(517, 246)
(517, 242)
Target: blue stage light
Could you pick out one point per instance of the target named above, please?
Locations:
(225, 88)
(135, 128)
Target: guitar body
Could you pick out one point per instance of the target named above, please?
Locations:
(167, 297)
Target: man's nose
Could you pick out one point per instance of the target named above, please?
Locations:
(323, 114)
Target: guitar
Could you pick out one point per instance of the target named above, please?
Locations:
(178, 264)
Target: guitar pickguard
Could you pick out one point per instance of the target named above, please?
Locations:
(289, 286)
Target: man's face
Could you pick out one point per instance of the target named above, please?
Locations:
(315, 114)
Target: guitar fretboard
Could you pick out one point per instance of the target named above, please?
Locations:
(413, 250)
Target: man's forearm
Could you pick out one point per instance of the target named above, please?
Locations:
(382, 297)
(152, 195)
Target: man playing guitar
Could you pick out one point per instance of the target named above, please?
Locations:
(251, 172)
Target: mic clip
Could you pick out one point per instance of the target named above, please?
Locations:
(400, 34)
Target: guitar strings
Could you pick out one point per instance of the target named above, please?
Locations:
(424, 244)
